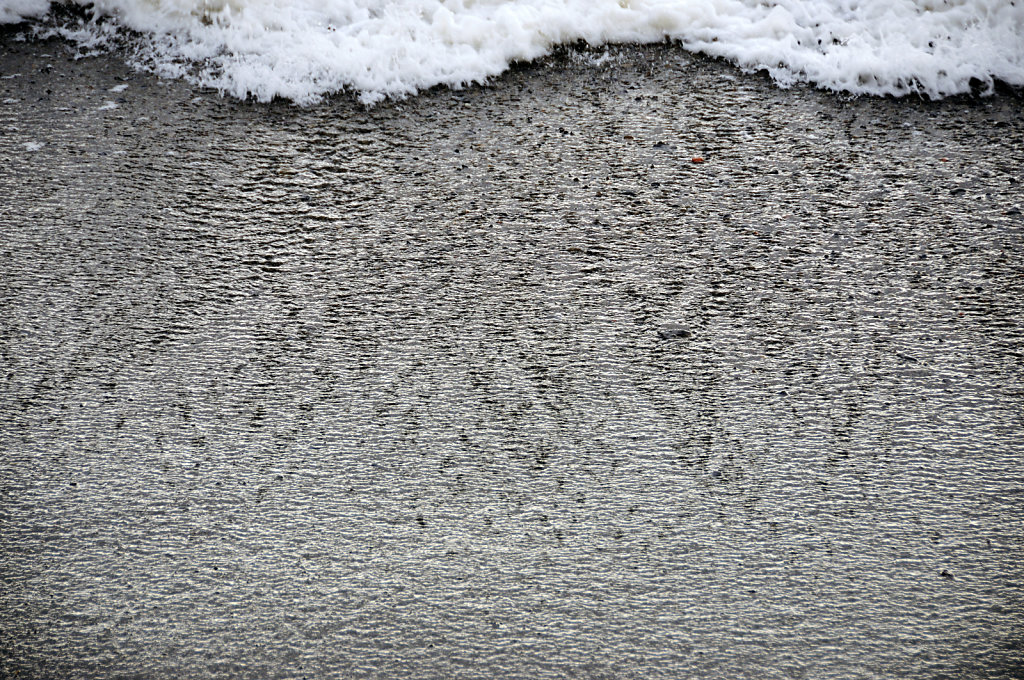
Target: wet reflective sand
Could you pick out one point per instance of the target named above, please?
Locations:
(500, 383)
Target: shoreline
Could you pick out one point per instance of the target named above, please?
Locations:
(580, 50)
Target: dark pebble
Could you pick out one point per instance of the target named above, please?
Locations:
(674, 331)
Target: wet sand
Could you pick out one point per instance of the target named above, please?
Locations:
(501, 383)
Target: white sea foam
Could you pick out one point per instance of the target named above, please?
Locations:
(16, 10)
(304, 49)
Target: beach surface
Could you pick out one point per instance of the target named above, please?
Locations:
(626, 365)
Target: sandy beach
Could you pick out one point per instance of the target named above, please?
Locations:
(625, 365)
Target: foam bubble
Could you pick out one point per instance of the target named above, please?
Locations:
(305, 49)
